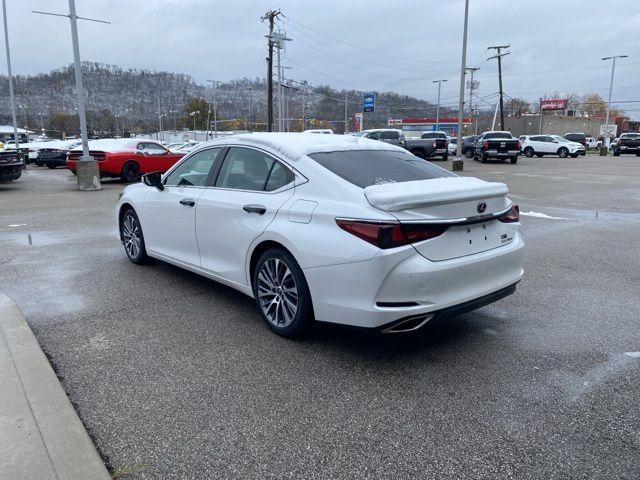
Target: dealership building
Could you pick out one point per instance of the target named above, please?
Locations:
(415, 127)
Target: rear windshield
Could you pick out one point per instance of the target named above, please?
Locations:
(374, 167)
(434, 135)
(575, 136)
(488, 136)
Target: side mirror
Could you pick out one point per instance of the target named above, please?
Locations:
(153, 179)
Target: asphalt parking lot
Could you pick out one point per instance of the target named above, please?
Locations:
(175, 376)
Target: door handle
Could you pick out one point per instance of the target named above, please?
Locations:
(188, 202)
(259, 209)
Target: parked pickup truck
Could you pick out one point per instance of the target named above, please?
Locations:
(430, 145)
(628, 143)
(500, 145)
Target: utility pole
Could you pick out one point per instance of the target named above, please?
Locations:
(159, 118)
(458, 162)
(11, 96)
(439, 82)
(607, 137)
(215, 107)
(304, 107)
(540, 123)
(346, 114)
(471, 70)
(499, 55)
(87, 173)
(271, 15)
(250, 105)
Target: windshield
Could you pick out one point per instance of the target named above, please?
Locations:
(434, 135)
(374, 167)
(489, 136)
(631, 136)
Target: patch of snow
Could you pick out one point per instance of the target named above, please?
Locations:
(541, 215)
(632, 354)
(16, 225)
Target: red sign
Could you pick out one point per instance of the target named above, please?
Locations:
(553, 104)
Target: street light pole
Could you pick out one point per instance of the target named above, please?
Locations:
(607, 137)
(439, 82)
(11, 96)
(215, 107)
(87, 173)
(458, 163)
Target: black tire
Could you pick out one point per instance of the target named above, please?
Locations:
(563, 152)
(468, 152)
(616, 153)
(528, 152)
(445, 157)
(130, 172)
(574, 155)
(419, 154)
(51, 166)
(539, 155)
(513, 159)
(130, 230)
(271, 289)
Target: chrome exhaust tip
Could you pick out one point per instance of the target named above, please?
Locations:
(409, 324)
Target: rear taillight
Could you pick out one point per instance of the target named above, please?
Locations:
(390, 235)
(512, 216)
(434, 144)
(518, 145)
(485, 145)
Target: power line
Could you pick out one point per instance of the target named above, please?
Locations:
(366, 49)
(368, 61)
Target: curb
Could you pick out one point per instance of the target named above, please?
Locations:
(42, 435)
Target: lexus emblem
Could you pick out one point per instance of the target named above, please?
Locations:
(482, 206)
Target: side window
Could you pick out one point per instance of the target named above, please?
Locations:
(390, 135)
(194, 170)
(280, 176)
(245, 169)
(536, 139)
(151, 148)
(374, 135)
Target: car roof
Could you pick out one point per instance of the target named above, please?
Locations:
(297, 145)
(115, 144)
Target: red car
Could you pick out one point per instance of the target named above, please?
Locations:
(126, 158)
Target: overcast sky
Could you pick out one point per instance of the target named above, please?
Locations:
(400, 45)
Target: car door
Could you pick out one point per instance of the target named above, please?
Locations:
(537, 143)
(168, 215)
(249, 188)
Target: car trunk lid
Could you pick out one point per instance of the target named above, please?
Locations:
(467, 206)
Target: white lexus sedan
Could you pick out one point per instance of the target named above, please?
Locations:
(328, 228)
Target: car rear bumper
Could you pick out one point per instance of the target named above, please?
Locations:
(401, 283)
(10, 172)
(497, 154)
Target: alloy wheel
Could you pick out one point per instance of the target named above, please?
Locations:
(131, 236)
(277, 292)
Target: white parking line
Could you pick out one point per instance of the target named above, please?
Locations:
(632, 354)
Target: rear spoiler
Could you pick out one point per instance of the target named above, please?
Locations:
(393, 197)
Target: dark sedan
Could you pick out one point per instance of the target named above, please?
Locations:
(10, 166)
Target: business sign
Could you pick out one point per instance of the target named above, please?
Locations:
(611, 131)
(357, 121)
(369, 103)
(553, 104)
(394, 121)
